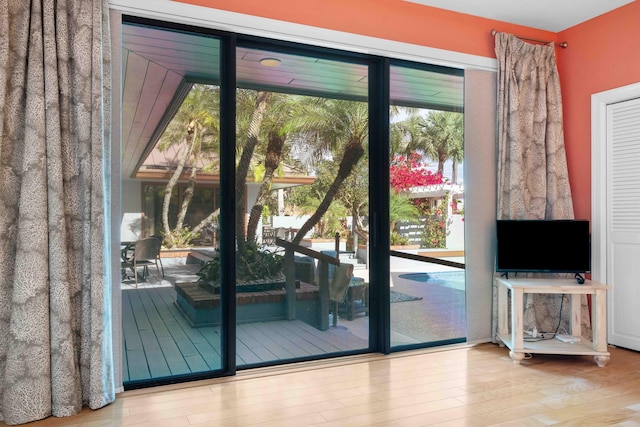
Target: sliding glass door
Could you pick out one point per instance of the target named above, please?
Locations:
(170, 186)
(251, 162)
(301, 199)
(426, 207)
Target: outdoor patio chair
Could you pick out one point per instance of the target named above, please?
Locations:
(356, 300)
(146, 252)
(280, 233)
(339, 286)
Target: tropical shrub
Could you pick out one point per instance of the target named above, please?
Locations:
(406, 172)
(398, 239)
(436, 223)
(179, 237)
(253, 265)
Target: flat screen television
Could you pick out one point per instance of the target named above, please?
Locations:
(549, 246)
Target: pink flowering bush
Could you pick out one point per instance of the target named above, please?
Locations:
(410, 171)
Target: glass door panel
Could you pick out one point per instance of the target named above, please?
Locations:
(426, 208)
(170, 166)
(301, 194)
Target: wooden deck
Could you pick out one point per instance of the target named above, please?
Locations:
(159, 342)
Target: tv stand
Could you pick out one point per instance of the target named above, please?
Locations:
(511, 334)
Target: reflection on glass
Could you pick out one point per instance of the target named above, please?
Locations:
(426, 208)
(170, 190)
(302, 193)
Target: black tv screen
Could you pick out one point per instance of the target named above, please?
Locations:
(550, 246)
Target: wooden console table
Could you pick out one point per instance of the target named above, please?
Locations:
(512, 335)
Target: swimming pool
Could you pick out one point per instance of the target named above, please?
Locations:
(449, 279)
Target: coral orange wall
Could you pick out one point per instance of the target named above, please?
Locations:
(396, 20)
(603, 54)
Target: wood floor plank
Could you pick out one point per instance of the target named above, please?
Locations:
(154, 355)
(138, 367)
(244, 354)
(137, 308)
(335, 339)
(466, 386)
(199, 356)
(173, 356)
(330, 341)
(131, 333)
(149, 311)
(301, 338)
(484, 388)
(254, 342)
(280, 343)
(174, 322)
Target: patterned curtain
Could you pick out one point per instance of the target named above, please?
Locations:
(55, 313)
(533, 181)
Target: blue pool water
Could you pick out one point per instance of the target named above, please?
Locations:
(450, 279)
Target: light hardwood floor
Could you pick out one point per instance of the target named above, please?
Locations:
(475, 386)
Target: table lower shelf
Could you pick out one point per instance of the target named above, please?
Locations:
(554, 346)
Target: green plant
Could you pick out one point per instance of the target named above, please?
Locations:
(398, 239)
(436, 224)
(266, 213)
(253, 265)
(179, 237)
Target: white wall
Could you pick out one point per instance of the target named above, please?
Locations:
(455, 238)
(480, 179)
(289, 221)
(131, 196)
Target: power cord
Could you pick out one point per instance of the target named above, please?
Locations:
(535, 336)
(559, 316)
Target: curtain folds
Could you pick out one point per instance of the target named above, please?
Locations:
(55, 313)
(533, 181)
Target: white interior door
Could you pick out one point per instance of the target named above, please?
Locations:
(623, 222)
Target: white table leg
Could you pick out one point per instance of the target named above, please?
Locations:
(602, 360)
(516, 357)
(517, 321)
(599, 320)
(503, 309)
(576, 314)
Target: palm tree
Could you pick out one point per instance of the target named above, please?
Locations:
(440, 138)
(354, 193)
(329, 224)
(456, 151)
(332, 126)
(244, 164)
(271, 155)
(406, 132)
(271, 163)
(195, 128)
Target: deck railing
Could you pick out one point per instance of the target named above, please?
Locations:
(323, 279)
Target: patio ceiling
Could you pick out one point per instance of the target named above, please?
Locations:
(159, 66)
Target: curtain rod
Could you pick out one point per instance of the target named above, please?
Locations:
(563, 44)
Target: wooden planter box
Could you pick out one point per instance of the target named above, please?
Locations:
(201, 307)
(175, 253)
